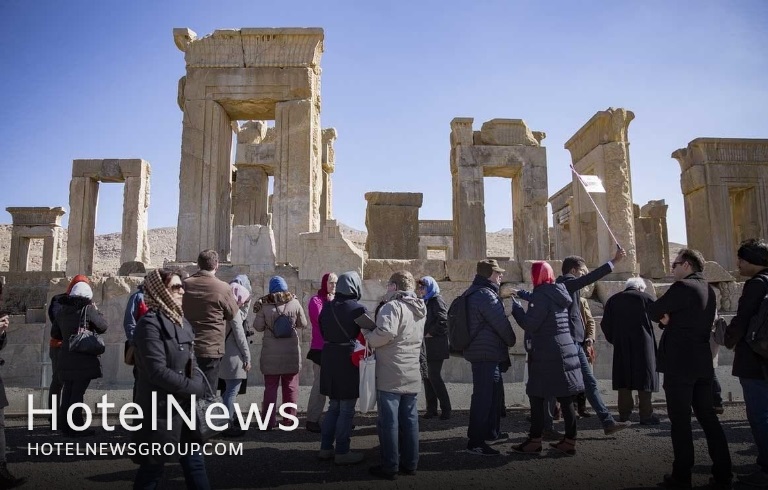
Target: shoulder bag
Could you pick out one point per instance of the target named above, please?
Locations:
(86, 341)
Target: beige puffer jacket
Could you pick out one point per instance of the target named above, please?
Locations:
(279, 356)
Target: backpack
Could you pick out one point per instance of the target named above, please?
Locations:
(458, 325)
(757, 330)
(283, 326)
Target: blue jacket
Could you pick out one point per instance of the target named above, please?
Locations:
(489, 328)
(130, 318)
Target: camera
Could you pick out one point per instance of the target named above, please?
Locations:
(249, 332)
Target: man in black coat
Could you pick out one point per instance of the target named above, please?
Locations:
(576, 276)
(750, 367)
(7, 479)
(686, 313)
(627, 327)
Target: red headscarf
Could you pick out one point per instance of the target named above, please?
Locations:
(323, 291)
(75, 280)
(542, 273)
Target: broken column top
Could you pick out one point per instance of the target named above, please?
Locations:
(608, 126)
(496, 132)
(251, 47)
(35, 216)
(395, 198)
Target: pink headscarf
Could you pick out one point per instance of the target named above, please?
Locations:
(241, 293)
(542, 273)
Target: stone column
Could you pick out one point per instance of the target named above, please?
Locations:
(19, 253)
(296, 204)
(135, 243)
(392, 221)
(329, 165)
(83, 200)
(250, 201)
(530, 228)
(205, 181)
(50, 258)
(468, 194)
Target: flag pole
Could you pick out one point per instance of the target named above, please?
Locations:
(595, 205)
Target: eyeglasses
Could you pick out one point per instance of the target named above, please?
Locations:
(675, 264)
(177, 287)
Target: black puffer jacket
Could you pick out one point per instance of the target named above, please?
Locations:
(489, 327)
(436, 345)
(75, 366)
(339, 378)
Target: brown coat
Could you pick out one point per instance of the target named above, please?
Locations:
(207, 304)
(279, 356)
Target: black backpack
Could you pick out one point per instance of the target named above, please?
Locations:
(283, 326)
(458, 324)
(757, 330)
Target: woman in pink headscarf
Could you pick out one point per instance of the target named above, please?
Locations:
(316, 399)
(236, 362)
(554, 369)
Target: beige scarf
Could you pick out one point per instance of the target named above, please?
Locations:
(158, 298)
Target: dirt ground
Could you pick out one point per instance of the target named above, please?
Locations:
(635, 458)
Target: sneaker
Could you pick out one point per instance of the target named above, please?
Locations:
(484, 450)
(615, 427)
(429, 415)
(503, 436)
(313, 427)
(378, 471)
(757, 479)
(446, 415)
(348, 458)
(551, 435)
(528, 446)
(325, 454)
(652, 420)
(565, 446)
(670, 481)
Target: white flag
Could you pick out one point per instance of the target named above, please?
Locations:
(592, 184)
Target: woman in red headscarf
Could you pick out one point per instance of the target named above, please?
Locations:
(554, 369)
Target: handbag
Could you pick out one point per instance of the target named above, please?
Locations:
(86, 341)
(203, 431)
(367, 399)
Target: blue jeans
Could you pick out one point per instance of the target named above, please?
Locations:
(337, 425)
(484, 406)
(756, 401)
(398, 426)
(229, 395)
(149, 475)
(591, 390)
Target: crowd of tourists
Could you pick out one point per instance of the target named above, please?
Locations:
(189, 335)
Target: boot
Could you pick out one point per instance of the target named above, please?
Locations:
(7, 480)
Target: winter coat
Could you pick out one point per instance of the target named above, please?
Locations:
(339, 378)
(165, 364)
(76, 366)
(490, 332)
(684, 345)
(436, 346)
(236, 350)
(207, 304)
(3, 397)
(397, 340)
(279, 355)
(554, 368)
(747, 363)
(627, 327)
(573, 284)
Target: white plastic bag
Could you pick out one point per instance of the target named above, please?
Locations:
(367, 400)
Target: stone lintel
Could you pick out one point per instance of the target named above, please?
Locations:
(506, 132)
(34, 216)
(701, 151)
(110, 169)
(442, 227)
(608, 126)
(461, 131)
(501, 161)
(252, 47)
(414, 199)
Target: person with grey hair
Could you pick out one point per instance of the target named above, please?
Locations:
(627, 327)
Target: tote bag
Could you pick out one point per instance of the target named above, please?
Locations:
(367, 400)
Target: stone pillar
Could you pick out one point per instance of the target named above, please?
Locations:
(296, 204)
(83, 200)
(250, 200)
(529, 213)
(561, 238)
(468, 194)
(392, 221)
(652, 240)
(135, 242)
(205, 181)
(329, 165)
(601, 148)
(19, 254)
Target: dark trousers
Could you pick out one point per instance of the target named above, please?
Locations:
(717, 392)
(56, 385)
(73, 392)
(149, 475)
(210, 368)
(538, 407)
(684, 393)
(484, 405)
(434, 388)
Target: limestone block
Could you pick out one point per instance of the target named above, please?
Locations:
(132, 267)
(373, 291)
(461, 131)
(24, 290)
(251, 132)
(35, 315)
(465, 270)
(730, 292)
(253, 245)
(606, 289)
(262, 155)
(661, 288)
(328, 250)
(714, 272)
(392, 220)
(384, 268)
(507, 132)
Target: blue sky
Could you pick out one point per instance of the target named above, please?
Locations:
(98, 80)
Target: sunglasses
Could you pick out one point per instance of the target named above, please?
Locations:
(675, 264)
(177, 287)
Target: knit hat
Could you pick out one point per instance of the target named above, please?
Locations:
(82, 289)
(754, 251)
(487, 267)
(277, 285)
